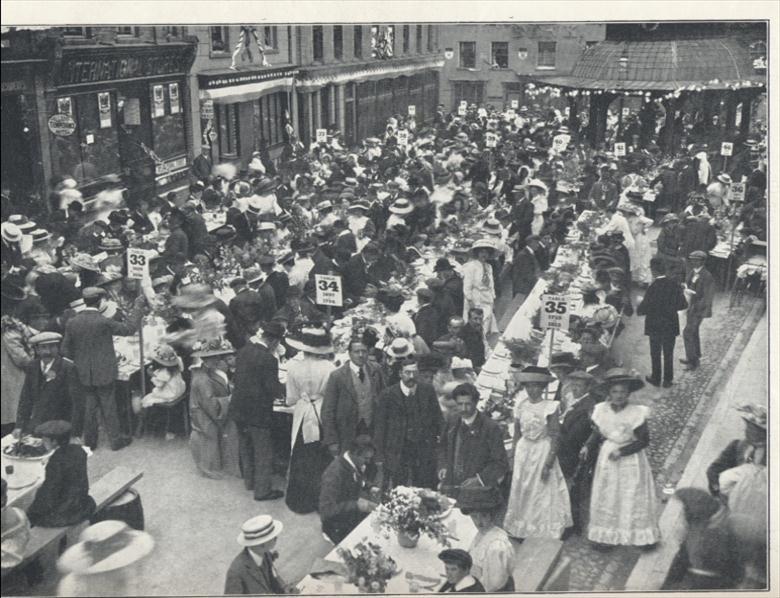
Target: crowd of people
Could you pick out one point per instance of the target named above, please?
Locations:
(424, 225)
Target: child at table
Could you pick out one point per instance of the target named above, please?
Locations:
(165, 377)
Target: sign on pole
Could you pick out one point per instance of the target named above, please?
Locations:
(412, 110)
(620, 149)
(726, 148)
(329, 290)
(510, 114)
(403, 137)
(490, 140)
(555, 312)
(322, 136)
(462, 109)
(137, 263)
(737, 192)
(560, 142)
(515, 104)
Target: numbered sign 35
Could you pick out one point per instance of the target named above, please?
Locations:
(555, 312)
(329, 290)
(137, 264)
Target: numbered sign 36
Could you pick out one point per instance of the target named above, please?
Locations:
(555, 312)
(329, 290)
(620, 149)
(726, 148)
(137, 264)
(322, 135)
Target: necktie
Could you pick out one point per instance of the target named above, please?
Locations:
(485, 275)
(361, 375)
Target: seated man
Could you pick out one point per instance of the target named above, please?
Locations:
(63, 499)
(457, 570)
(341, 506)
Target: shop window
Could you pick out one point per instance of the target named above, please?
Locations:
(169, 33)
(406, 39)
(316, 41)
(270, 37)
(358, 41)
(77, 31)
(338, 42)
(269, 119)
(227, 129)
(130, 31)
(546, 56)
(430, 38)
(499, 55)
(468, 55)
(168, 129)
(219, 39)
(418, 39)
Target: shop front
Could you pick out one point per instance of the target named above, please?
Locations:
(121, 112)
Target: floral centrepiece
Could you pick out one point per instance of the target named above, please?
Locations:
(414, 511)
(369, 568)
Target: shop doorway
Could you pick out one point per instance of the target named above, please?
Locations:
(17, 159)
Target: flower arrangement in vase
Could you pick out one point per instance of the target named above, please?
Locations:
(410, 512)
(368, 567)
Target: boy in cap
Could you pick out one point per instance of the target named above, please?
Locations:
(700, 291)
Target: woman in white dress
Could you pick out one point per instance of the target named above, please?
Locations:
(623, 508)
(539, 501)
(641, 253)
(538, 192)
(478, 286)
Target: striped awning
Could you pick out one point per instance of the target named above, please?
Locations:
(225, 86)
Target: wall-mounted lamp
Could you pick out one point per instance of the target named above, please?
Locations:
(449, 53)
(522, 53)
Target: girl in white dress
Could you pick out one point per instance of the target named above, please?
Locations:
(641, 252)
(539, 501)
(623, 508)
(478, 286)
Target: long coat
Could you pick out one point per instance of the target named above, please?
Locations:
(245, 577)
(663, 299)
(525, 271)
(390, 426)
(63, 498)
(427, 321)
(340, 404)
(482, 452)
(701, 303)
(15, 356)
(43, 400)
(256, 385)
(575, 429)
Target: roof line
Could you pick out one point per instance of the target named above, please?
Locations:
(736, 66)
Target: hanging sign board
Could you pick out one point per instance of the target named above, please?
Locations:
(560, 142)
(555, 312)
(322, 135)
(173, 94)
(462, 110)
(62, 125)
(620, 149)
(137, 264)
(158, 101)
(726, 148)
(626, 111)
(412, 110)
(104, 109)
(329, 290)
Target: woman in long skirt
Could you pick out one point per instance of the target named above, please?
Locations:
(306, 379)
(539, 500)
(623, 507)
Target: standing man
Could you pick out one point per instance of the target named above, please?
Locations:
(700, 288)
(473, 335)
(89, 344)
(427, 318)
(350, 399)
(256, 280)
(245, 308)
(664, 298)
(407, 427)
(256, 386)
(201, 165)
(525, 268)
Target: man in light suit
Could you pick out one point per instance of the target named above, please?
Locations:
(350, 399)
(700, 288)
(89, 344)
(664, 298)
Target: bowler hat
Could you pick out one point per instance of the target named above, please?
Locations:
(442, 265)
(92, 293)
(563, 359)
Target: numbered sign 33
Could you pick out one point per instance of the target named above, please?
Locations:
(329, 290)
(137, 264)
(555, 312)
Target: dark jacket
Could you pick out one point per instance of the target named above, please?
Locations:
(733, 455)
(243, 224)
(89, 343)
(279, 283)
(525, 271)
(474, 588)
(704, 287)
(698, 235)
(201, 168)
(391, 423)
(256, 385)
(245, 577)
(663, 299)
(475, 344)
(42, 401)
(246, 308)
(454, 288)
(268, 305)
(427, 321)
(340, 489)
(481, 453)
(63, 498)
(522, 215)
(177, 249)
(197, 234)
(340, 406)
(575, 430)
(356, 276)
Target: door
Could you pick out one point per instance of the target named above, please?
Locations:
(16, 157)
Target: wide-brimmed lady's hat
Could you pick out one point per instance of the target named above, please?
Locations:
(105, 546)
(563, 360)
(10, 232)
(754, 414)
(253, 275)
(111, 244)
(21, 221)
(622, 376)
(401, 206)
(325, 204)
(478, 499)
(582, 375)
(259, 530)
(311, 340)
(536, 183)
(625, 206)
(533, 374)
(194, 296)
(493, 227)
(166, 356)
(359, 205)
(483, 244)
(84, 261)
(400, 348)
(213, 348)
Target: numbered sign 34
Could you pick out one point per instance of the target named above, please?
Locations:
(555, 312)
(137, 264)
(329, 290)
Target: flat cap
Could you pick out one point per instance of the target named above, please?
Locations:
(44, 338)
(92, 292)
(697, 255)
(54, 427)
(456, 556)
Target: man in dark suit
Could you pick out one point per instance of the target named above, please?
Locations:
(89, 344)
(350, 399)
(473, 336)
(256, 386)
(177, 245)
(522, 213)
(453, 283)
(50, 389)
(700, 286)
(525, 267)
(427, 318)
(257, 281)
(697, 232)
(343, 238)
(406, 431)
(356, 271)
(278, 281)
(471, 450)
(201, 165)
(663, 299)
(252, 571)
(342, 507)
(245, 308)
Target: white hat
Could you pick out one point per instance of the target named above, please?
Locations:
(724, 178)
(538, 184)
(266, 226)
(259, 530)
(105, 546)
(11, 232)
(461, 364)
(401, 206)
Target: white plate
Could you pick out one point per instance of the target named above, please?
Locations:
(20, 480)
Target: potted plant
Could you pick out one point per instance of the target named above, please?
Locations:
(410, 512)
(368, 567)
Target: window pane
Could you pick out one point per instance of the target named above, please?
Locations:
(76, 31)
(338, 42)
(218, 39)
(499, 55)
(468, 55)
(546, 56)
(125, 30)
(316, 32)
(418, 40)
(358, 41)
(269, 37)
(430, 38)
(406, 38)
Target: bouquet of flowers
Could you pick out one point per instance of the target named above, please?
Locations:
(369, 568)
(413, 511)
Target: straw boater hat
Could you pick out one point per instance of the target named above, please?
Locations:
(400, 348)
(111, 244)
(11, 233)
(84, 261)
(697, 255)
(459, 363)
(214, 348)
(725, 178)
(401, 206)
(625, 206)
(754, 414)
(622, 376)
(39, 235)
(45, 338)
(359, 205)
(21, 221)
(266, 225)
(312, 340)
(534, 375)
(492, 227)
(582, 375)
(538, 184)
(259, 530)
(325, 204)
(252, 275)
(105, 546)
